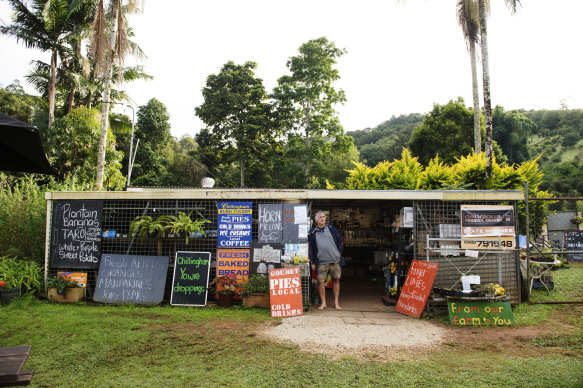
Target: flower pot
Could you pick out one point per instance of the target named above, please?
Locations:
(8, 295)
(257, 300)
(225, 299)
(71, 295)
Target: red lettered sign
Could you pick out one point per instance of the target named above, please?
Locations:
(285, 289)
(417, 288)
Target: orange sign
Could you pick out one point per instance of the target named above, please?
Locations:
(416, 288)
(285, 289)
(79, 277)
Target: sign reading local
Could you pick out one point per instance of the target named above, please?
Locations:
(480, 313)
(234, 219)
(416, 288)
(285, 289)
(574, 242)
(487, 227)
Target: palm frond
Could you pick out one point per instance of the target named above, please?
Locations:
(99, 42)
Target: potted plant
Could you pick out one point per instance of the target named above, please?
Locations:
(146, 226)
(8, 291)
(61, 289)
(256, 291)
(183, 224)
(228, 286)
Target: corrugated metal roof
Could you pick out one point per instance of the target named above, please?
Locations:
(293, 194)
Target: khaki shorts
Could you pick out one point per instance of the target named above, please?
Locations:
(334, 269)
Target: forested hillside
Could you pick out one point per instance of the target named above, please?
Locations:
(553, 136)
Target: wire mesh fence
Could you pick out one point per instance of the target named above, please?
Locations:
(119, 214)
(438, 239)
(553, 263)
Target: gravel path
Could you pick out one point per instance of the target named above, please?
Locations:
(340, 331)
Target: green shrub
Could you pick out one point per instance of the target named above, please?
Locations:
(21, 273)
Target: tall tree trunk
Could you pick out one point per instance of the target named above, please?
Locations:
(476, 98)
(105, 102)
(486, 87)
(242, 168)
(307, 119)
(52, 87)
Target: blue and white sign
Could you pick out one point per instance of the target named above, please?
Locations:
(234, 224)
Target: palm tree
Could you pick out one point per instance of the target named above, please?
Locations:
(46, 26)
(468, 19)
(108, 46)
(484, 10)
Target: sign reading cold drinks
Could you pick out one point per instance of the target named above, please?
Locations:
(234, 224)
(285, 289)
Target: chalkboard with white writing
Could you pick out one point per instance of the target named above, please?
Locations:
(574, 242)
(131, 279)
(270, 224)
(76, 234)
(191, 278)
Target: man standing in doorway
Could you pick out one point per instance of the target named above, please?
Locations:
(326, 248)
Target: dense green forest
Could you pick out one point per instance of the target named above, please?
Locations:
(553, 137)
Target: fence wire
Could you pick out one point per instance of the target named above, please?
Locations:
(555, 259)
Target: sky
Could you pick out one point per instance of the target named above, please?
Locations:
(402, 56)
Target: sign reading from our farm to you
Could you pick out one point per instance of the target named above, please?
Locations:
(574, 242)
(131, 279)
(236, 262)
(191, 277)
(416, 288)
(487, 227)
(234, 224)
(270, 223)
(464, 313)
(285, 289)
(76, 234)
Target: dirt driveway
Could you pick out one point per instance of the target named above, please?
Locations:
(360, 334)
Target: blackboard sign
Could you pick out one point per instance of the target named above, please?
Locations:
(76, 234)
(191, 278)
(295, 223)
(131, 279)
(574, 242)
(270, 223)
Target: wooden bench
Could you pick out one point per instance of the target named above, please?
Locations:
(12, 372)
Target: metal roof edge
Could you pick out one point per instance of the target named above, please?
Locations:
(292, 194)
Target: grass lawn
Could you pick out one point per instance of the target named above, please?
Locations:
(132, 346)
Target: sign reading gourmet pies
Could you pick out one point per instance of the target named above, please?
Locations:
(487, 227)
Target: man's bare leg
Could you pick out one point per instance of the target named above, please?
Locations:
(336, 291)
(322, 292)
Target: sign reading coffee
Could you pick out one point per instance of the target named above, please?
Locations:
(234, 224)
(76, 234)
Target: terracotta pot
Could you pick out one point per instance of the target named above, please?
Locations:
(225, 299)
(71, 295)
(8, 295)
(257, 300)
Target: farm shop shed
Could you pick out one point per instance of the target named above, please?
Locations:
(377, 226)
